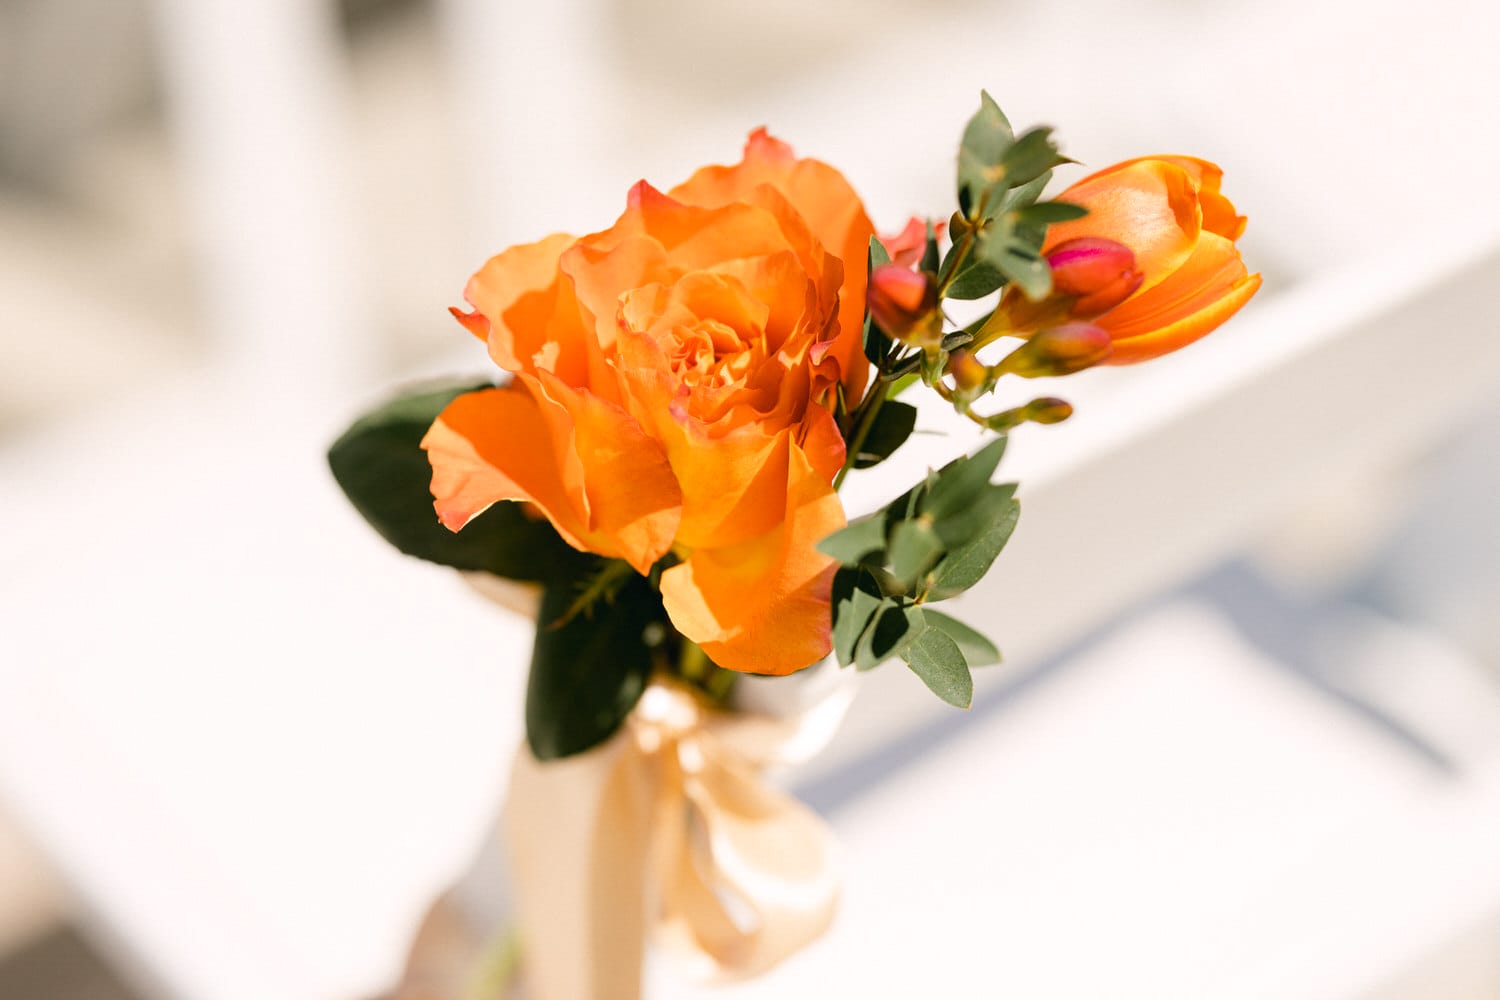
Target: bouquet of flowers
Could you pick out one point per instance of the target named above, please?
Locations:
(683, 395)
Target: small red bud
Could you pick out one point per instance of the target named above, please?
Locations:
(1098, 274)
(1061, 350)
(904, 303)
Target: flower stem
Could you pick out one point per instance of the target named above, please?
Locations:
(867, 416)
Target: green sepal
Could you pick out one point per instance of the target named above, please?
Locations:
(937, 660)
(382, 469)
(892, 426)
(587, 674)
(977, 649)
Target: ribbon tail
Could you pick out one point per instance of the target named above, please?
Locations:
(755, 877)
(579, 831)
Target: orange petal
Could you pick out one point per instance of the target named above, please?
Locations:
(494, 445)
(1214, 267)
(602, 483)
(834, 213)
(531, 326)
(1148, 205)
(762, 606)
(631, 498)
(1187, 329)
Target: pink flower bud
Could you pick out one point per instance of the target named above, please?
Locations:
(1098, 274)
(904, 303)
(1061, 350)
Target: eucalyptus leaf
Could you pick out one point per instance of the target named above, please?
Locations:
(856, 598)
(588, 674)
(961, 481)
(857, 539)
(893, 425)
(892, 630)
(914, 549)
(382, 469)
(966, 565)
(937, 659)
(961, 525)
(978, 651)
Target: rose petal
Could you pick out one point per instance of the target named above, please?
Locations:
(600, 480)
(763, 606)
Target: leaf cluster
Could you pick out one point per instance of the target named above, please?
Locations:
(601, 627)
(932, 543)
(1000, 226)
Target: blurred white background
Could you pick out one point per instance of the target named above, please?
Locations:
(1247, 741)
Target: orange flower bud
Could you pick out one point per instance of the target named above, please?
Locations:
(969, 373)
(1048, 410)
(1097, 274)
(1169, 212)
(904, 303)
(1061, 350)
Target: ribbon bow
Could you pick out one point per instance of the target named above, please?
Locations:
(669, 825)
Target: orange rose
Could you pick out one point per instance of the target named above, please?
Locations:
(673, 379)
(1169, 212)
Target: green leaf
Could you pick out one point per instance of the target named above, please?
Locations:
(975, 280)
(914, 549)
(978, 651)
(960, 482)
(1045, 213)
(929, 261)
(966, 565)
(877, 344)
(936, 658)
(587, 675)
(892, 630)
(857, 539)
(1028, 270)
(893, 425)
(382, 469)
(856, 598)
(960, 526)
(1029, 157)
(1020, 197)
(986, 138)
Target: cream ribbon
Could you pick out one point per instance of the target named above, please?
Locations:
(669, 826)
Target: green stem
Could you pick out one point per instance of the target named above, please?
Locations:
(861, 432)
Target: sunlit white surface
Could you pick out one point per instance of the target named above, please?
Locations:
(1170, 816)
(255, 742)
